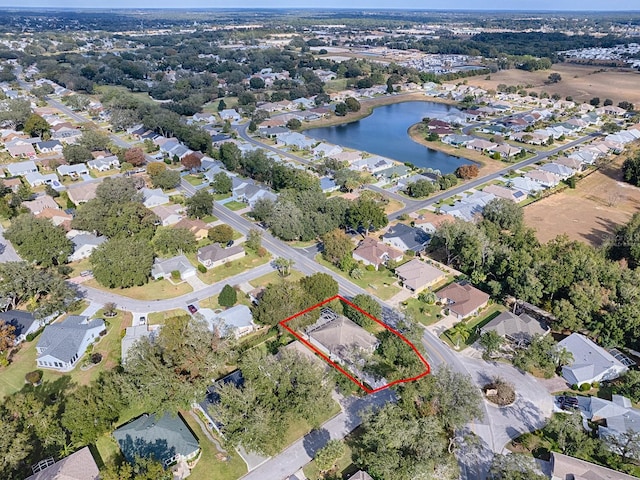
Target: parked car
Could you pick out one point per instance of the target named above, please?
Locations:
(229, 243)
(142, 320)
(568, 403)
(192, 308)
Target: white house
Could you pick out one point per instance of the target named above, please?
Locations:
(165, 268)
(73, 170)
(62, 344)
(152, 197)
(591, 363)
(230, 114)
(104, 164)
(21, 168)
(84, 243)
(236, 320)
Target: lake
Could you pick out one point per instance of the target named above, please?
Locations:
(384, 133)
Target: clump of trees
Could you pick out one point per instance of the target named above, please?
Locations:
(424, 188)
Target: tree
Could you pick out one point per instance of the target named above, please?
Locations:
(554, 77)
(75, 153)
(39, 241)
(626, 444)
(279, 301)
(7, 336)
(341, 109)
(254, 240)
(117, 190)
(141, 469)
(230, 156)
(222, 105)
(352, 104)
(336, 246)
(628, 106)
(220, 234)
(200, 205)
(94, 140)
(166, 180)
(569, 435)
(122, 262)
(631, 170)
(192, 161)
(420, 188)
(491, 342)
(506, 214)
(228, 296)
(607, 102)
(628, 385)
(14, 113)
(328, 455)
(263, 210)
(460, 331)
(36, 126)
(256, 83)
(595, 101)
(283, 265)
(135, 156)
(154, 168)
(367, 304)
(221, 183)
(515, 466)
(294, 124)
(467, 172)
(174, 241)
(319, 286)
(366, 214)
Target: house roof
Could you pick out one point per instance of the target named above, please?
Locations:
(62, 340)
(38, 204)
(89, 239)
(192, 224)
(161, 437)
(504, 192)
(131, 337)
(216, 253)
(416, 274)
(77, 466)
(518, 327)
(178, 263)
(465, 298)
(22, 321)
(571, 468)
(376, 252)
(82, 192)
(342, 332)
(228, 320)
(589, 360)
(413, 238)
(165, 211)
(361, 475)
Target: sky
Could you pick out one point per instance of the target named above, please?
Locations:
(373, 4)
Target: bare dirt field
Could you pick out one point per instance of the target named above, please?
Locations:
(582, 82)
(590, 213)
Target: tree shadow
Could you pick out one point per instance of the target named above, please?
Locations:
(315, 440)
(138, 447)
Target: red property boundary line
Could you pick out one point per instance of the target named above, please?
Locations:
(426, 372)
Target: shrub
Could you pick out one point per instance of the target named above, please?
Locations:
(574, 386)
(33, 377)
(33, 335)
(228, 296)
(262, 252)
(595, 385)
(175, 275)
(96, 358)
(370, 268)
(202, 268)
(585, 386)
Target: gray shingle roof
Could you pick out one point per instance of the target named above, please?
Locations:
(154, 436)
(62, 340)
(22, 321)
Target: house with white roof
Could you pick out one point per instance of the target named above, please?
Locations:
(326, 150)
(37, 179)
(230, 114)
(165, 268)
(104, 164)
(507, 193)
(84, 243)
(561, 171)
(546, 179)
(237, 321)
(72, 170)
(591, 363)
(20, 169)
(132, 336)
(526, 185)
(152, 197)
(169, 214)
(295, 139)
(62, 344)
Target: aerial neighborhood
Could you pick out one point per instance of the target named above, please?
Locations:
(274, 244)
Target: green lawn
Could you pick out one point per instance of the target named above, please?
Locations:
(154, 290)
(24, 361)
(473, 325)
(221, 196)
(300, 428)
(79, 266)
(424, 313)
(382, 284)
(235, 206)
(275, 277)
(213, 275)
(158, 318)
(194, 180)
(211, 465)
(209, 219)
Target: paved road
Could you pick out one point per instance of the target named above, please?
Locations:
(302, 452)
(244, 134)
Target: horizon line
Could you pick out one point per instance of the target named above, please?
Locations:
(408, 9)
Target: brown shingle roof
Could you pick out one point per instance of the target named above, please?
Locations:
(375, 252)
(416, 274)
(215, 252)
(464, 298)
(77, 466)
(342, 332)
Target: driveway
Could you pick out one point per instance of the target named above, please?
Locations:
(7, 252)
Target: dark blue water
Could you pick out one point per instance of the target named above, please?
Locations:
(384, 133)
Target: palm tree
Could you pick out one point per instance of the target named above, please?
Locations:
(283, 265)
(460, 332)
(562, 357)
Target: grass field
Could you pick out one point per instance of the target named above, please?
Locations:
(235, 206)
(158, 318)
(154, 290)
(144, 97)
(591, 212)
(274, 277)
(230, 269)
(424, 313)
(578, 81)
(473, 324)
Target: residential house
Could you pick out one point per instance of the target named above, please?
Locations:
(505, 150)
(166, 438)
(417, 275)
(104, 164)
(615, 418)
(165, 268)
(152, 197)
(237, 321)
(84, 243)
(429, 222)
(204, 117)
(21, 168)
(23, 322)
(230, 114)
(462, 299)
(361, 475)
(19, 148)
(328, 185)
(38, 204)
(499, 191)
(77, 466)
(392, 173)
(546, 179)
(526, 185)
(457, 140)
(340, 338)
(214, 255)
(571, 162)
(247, 192)
(66, 134)
(195, 225)
(560, 170)
(57, 216)
(62, 344)
(37, 179)
(372, 252)
(49, 146)
(326, 150)
(82, 192)
(565, 467)
(132, 336)
(518, 329)
(406, 238)
(12, 183)
(168, 214)
(73, 170)
(371, 164)
(295, 139)
(591, 363)
(480, 145)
